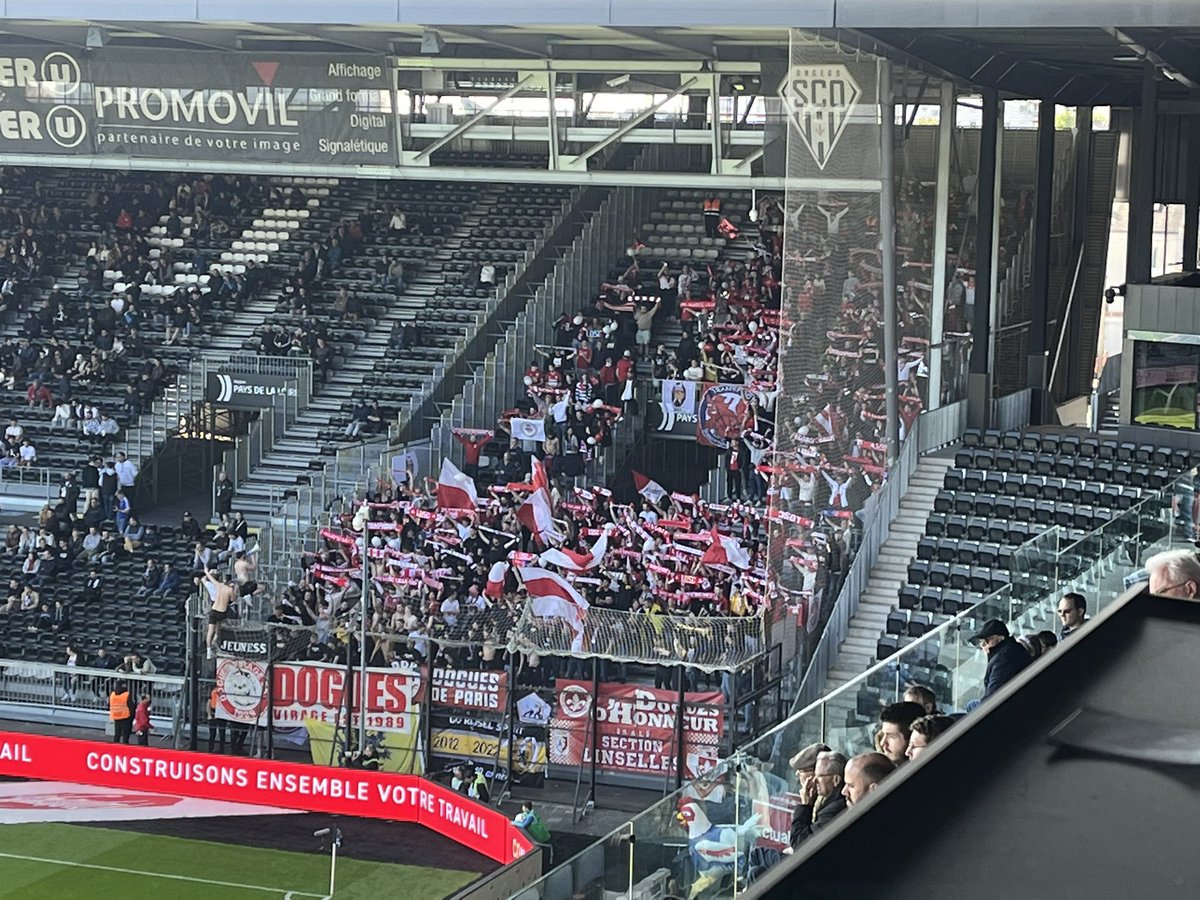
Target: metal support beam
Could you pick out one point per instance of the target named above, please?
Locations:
(696, 66)
(598, 178)
(1070, 385)
(551, 119)
(979, 399)
(714, 114)
(466, 126)
(1191, 197)
(887, 252)
(633, 123)
(1141, 186)
(1040, 265)
(750, 158)
(1166, 54)
(941, 229)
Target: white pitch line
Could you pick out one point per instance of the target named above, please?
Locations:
(233, 884)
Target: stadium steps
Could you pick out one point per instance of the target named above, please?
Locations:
(295, 451)
(890, 571)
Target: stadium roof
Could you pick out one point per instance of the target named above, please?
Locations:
(975, 42)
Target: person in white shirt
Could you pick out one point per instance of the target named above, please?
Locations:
(450, 608)
(62, 415)
(14, 432)
(399, 221)
(28, 453)
(127, 471)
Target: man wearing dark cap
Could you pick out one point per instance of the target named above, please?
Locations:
(821, 799)
(804, 764)
(1006, 658)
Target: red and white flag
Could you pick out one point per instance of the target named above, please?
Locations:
(535, 515)
(648, 488)
(495, 580)
(576, 562)
(538, 477)
(552, 596)
(726, 551)
(455, 490)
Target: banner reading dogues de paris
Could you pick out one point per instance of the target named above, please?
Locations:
(303, 108)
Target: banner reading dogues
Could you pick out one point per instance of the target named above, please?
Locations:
(305, 108)
(470, 689)
(315, 691)
(636, 728)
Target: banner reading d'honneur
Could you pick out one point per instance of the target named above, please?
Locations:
(305, 108)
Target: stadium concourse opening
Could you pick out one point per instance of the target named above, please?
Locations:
(504, 429)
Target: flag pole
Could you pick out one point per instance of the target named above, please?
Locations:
(361, 518)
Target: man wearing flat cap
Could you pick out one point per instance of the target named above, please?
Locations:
(1006, 658)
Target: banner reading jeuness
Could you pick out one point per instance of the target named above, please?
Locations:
(293, 107)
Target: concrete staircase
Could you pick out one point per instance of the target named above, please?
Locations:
(890, 571)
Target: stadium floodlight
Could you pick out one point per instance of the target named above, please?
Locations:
(618, 80)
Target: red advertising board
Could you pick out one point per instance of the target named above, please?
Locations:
(344, 792)
(470, 689)
(636, 728)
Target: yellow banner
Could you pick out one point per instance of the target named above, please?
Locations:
(529, 755)
(397, 751)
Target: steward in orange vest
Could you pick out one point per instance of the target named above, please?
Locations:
(120, 713)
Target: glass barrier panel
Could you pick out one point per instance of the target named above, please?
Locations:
(753, 795)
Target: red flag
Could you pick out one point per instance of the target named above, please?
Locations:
(577, 562)
(535, 515)
(725, 551)
(553, 596)
(454, 489)
(495, 580)
(648, 487)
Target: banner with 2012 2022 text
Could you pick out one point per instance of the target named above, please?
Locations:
(314, 109)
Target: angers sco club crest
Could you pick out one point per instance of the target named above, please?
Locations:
(820, 100)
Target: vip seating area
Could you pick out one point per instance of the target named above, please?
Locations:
(989, 531)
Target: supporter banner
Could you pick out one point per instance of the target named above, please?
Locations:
(406, 469)
(316, 691)
(294, 107)
(483, 742)
(678, 406)
(343, 792)
(470, 689)
(725, 412)
(636, 728)
(248, 391)
(395, 750)
(241, 681)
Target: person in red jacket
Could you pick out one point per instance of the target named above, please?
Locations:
(141, 720)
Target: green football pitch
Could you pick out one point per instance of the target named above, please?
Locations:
(48, 860)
